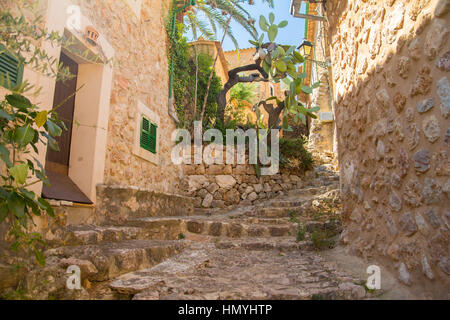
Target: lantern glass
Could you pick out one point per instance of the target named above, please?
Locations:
(306, 48)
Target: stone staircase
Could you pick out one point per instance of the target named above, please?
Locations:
(264, 251)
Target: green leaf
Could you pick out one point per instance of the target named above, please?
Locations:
(316, 85)
(306, 89)
(40, 259)
(273, 32)
(283, 24)
(302, 75)
(16, 205)
(299, 57)
(28, 194)
(261, 39)
(292, 87)
(271, 17)
(280, 50)
(24, 135)
(6, 115)
(53, 129)
(19, 101)
(257, 170)
(302, 117)
(312, 115)
(281, 66)
(314, 109)
(266, 67)
(46, 206)
(292, 73)
(4, 155)
(41, 118)
(290, 50)
(3, 212)
(253, 42)
(19, 173)
(263, 23)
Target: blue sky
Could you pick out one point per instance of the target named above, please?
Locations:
(291, 35)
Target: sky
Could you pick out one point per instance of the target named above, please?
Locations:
(291, 35)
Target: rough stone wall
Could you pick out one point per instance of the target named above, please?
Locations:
(140, 74)
(223, 185)
(117, 204)
(391, 77)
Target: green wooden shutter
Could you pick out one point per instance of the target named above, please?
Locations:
(148, 135)
(10, 65)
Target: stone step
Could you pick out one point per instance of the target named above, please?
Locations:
(285, 203)
(219, 226)
(276, 212)
(90, 234)
(231, 229)
(209, 273)
(281, 244)
(108, 260)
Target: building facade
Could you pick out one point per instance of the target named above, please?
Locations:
(119, 127)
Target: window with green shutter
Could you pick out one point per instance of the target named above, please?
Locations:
(148, 135)
(10, 66)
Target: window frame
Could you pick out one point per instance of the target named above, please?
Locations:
(19, 68)
(154, 136)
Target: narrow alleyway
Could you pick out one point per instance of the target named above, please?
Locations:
(271, 250)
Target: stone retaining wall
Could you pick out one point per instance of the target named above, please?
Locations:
(219, 186)
(115, 204)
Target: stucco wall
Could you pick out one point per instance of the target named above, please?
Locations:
(322, 129)
(390, 64)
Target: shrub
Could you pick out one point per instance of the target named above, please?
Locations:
(294, 156)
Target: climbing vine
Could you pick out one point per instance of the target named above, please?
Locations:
(180, 53)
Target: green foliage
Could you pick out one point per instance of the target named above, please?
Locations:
(280, 63)
(23, 125)
(184, 80)
(325, 238)
(294, 156)
(322, 240)
(242, 95)
(301, 232)
(206, 17)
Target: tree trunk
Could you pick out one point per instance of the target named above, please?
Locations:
(196, 83)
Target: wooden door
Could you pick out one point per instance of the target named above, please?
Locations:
(59, 161)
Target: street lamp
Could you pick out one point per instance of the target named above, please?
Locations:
(306, 48)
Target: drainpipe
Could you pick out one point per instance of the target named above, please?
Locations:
(306, 32)
(172, 111)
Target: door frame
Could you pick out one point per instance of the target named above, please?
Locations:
(92, 101)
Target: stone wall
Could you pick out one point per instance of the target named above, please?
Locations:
(116, 204)
(140, 75)
(391, 77)
(220, 186)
